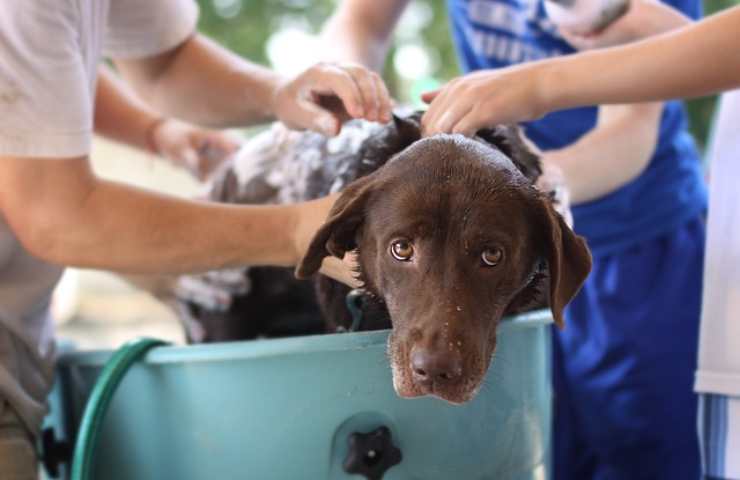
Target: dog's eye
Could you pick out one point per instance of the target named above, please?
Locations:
(492, 256)
(402, 250)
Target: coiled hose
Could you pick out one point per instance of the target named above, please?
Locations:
(100, 397)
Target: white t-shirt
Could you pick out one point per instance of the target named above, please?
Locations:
(49, 55)
(719, 346)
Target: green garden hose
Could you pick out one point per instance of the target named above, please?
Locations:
(101, 396)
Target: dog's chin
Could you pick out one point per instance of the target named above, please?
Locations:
(454, 395)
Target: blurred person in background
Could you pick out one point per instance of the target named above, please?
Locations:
(55, 212)
(634, 176)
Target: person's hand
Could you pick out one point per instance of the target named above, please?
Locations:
(485, 98)
(309, 217)
(326, 95)
(199, 151)
(552, 182)
(643, 19)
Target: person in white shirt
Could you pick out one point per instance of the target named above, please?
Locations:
(55, 212)
(696, 59)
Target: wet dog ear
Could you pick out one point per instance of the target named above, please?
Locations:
(338, 235)
(567, 256)
(408, 128)
(510, 141)
(389, 141)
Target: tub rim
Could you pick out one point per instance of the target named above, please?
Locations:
(273, 347)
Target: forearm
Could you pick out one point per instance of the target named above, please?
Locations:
(349, 44)
(227, 91)
(669, 20)
(92, 223)
(614, 153)
(693, 61)
(360, 31)
(119, 115)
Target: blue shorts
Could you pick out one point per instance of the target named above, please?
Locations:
(623, 367)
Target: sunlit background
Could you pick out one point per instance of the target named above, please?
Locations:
(99, 310)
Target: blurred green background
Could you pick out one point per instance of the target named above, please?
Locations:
(281, 33)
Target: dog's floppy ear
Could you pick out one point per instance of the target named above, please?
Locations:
(509, 139)
(568, 258)
(337, 235)
(408, 127)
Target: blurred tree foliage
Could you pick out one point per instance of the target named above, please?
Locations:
(246, 25)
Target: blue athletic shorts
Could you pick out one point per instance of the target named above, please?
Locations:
(624, 365)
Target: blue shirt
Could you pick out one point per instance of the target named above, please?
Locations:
(671, 191)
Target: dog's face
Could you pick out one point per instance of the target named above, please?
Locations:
(450, 236)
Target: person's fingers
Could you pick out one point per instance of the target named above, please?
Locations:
(311, 116)
(370, 100)
(428, 97)
(341, 270)
(468, 124)
(334, 80)
(450, 117)
(336, 93)
(213, 149)
(333, 104)
(431, 119)
(386, 104)
(188, 157)
(223, 142)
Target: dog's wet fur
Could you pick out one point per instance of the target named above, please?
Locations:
(476, 239)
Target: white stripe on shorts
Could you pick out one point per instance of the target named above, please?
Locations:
(719, 430)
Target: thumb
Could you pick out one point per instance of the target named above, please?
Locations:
(428, 97)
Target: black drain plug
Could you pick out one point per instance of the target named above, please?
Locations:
(371, 454)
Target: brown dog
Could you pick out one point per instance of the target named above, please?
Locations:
(451, 235)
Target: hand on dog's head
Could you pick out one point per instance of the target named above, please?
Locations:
(451, 235)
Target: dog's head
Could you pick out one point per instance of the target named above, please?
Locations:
(451, 235)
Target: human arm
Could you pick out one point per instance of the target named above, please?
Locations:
(122, 117)
(688, 62)
(360, 31)
(203, 83)
(61, 212)
(616, 151)
(623, 141)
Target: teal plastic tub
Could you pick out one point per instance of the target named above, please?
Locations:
(287, 408)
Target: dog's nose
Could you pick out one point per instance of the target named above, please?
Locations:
(430, 366)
